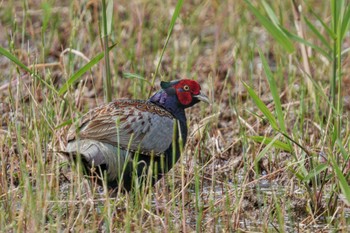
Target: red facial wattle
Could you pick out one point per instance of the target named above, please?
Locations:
(185, 96)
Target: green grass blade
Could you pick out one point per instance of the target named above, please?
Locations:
(307, 43)
(105, 21)
(343, 150)
(15, 60)
(324, 25)
(82, 71)
(336, 9)
(317, 170)
(170, 30)
(46, 15)
(273, 29)
(344, 186)
(345, 23)
(271, 13)
(321, 92)
(279, 214)
(275, 143)
(317, 33)
(109, 16)
(68, 122)
(269, 143)
(263, 108)
(274, 92)
(135, 76)
(297, 174)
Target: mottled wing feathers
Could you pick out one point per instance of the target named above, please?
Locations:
(133, 125)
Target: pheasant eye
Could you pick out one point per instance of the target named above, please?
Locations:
(186, 88)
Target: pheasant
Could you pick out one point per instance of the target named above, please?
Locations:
(125, 138)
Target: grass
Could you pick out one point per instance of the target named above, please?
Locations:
(270, 154)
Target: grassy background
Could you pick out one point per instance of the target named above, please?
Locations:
(238, 171)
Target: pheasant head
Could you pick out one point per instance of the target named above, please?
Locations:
(177, 95)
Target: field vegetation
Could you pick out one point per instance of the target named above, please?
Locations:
(270, 154)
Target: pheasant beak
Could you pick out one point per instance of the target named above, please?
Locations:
(202, 97)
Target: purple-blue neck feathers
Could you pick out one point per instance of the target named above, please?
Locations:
(167, 99)
(170, 102)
